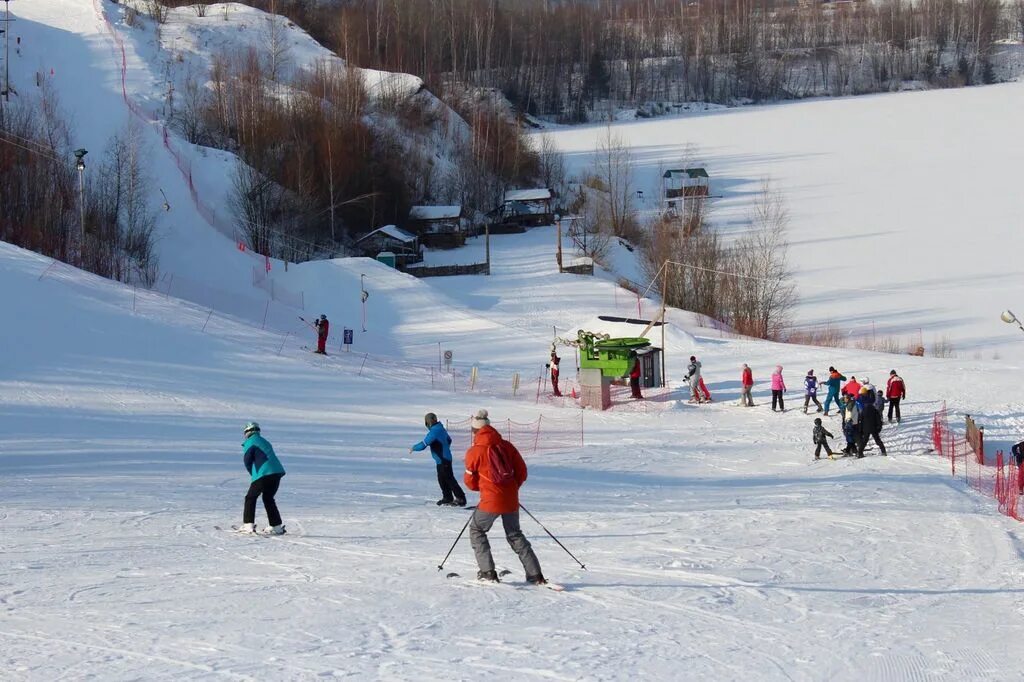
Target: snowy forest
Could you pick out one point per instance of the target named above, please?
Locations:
(560, 59)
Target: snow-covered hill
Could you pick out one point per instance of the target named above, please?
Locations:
(904, 207)
(708, 535)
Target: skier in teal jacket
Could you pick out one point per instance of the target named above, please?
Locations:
(265, 473)
(833, 382)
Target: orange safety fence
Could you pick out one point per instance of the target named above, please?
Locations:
(1000, 480)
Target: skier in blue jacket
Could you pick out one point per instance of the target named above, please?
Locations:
(439, 442)
(265, 471)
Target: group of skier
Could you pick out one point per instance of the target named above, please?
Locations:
(494, 468)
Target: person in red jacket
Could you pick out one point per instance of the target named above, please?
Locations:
(554, 373)
(634, 379)
(852, 388)
(323, 328)
(747, 381)
(496, 470)
(895, 391)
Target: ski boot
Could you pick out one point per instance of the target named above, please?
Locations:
(246, 528)
(274, 530)
(488, 576)
(538, 579)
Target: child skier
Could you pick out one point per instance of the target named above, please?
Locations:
(693, 378)
(266, 473)
(439, 442)
(778, 388)
(821, 436)
(851, 426)
(811, 390)
(554, 373)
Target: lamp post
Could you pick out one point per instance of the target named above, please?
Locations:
(1009, 318)
(80, 165)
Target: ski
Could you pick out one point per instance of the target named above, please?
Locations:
(554, 587)
(258, 533)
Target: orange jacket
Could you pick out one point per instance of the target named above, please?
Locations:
(852, 387)
(496, 499)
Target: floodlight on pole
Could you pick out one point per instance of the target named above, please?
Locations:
(1008, 317)
(80, 165)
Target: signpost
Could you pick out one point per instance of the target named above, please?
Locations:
(346, 336)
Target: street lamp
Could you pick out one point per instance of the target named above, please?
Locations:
(80, 165)
(1009, 318)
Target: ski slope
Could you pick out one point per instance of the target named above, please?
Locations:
(904, 208)
(710, 538)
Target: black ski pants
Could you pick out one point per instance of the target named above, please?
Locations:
(819, 446)
(863, 442)
(450, 489)
(894, 404)
(807, 402)
(267, 487)
(777, 400)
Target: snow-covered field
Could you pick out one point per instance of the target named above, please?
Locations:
(904, 207)
(715, 548)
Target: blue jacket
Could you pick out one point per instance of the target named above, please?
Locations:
(811, 385)
(439, 442)
(259, 458)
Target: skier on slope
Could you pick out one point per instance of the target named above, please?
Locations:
(265, 472)
(821, 436)
(323, 328)
(778, 388)
(554, 373)
(811, 390)
(1018, 458)
(866, 384)
(634, 379)
(880, 401)
(851, 425)
(496, 469)
(439, 442)
(870, 424)
(833, 382)
(693, 378)
(895, 391)
(747, 382)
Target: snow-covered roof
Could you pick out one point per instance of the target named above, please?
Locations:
(393, 232)
(434, 212)
(538, 194)
(693, 173)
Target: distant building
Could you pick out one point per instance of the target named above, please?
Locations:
(404, 245)
(528, 207)
(441, 227)
(685, 182)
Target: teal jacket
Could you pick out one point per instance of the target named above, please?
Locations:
(259, 458)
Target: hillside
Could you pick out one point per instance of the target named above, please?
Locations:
(706, 534)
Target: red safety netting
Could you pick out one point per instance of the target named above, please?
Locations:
(1000, 481)
(544, 433)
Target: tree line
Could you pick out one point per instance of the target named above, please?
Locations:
(565, 59)
(102, 220)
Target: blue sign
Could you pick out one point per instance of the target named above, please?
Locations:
(347, 334)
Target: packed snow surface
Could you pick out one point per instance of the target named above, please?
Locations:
(710, 538)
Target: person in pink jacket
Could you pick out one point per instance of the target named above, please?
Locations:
(778, 388)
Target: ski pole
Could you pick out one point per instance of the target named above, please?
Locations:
(553, 537)
(440, 566)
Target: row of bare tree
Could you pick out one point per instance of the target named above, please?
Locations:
(563, 58)
(105, 224)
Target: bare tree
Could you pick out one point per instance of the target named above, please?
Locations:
(762, 293)
(614, 169)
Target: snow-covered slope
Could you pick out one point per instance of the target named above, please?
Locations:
(905, 208)
(708, 536)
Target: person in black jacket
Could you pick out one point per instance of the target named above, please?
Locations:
(821, 436)
(870, 427)
(1018, 458)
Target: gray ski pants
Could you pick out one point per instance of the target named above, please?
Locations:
(482, 522)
